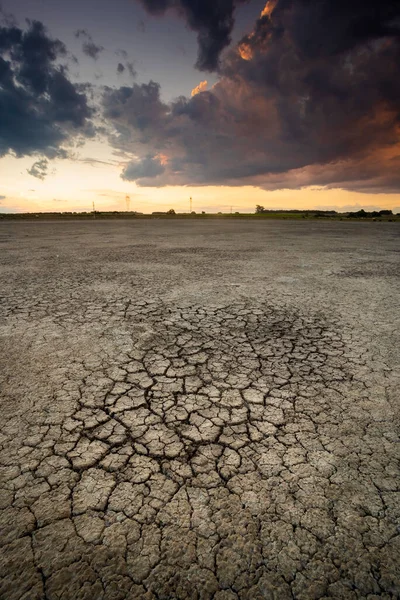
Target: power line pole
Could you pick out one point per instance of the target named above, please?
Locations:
(94, 211)
(191, 204)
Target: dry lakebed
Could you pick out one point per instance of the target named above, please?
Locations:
(199, 410)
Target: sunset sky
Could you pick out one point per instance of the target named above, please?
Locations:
(288, 104)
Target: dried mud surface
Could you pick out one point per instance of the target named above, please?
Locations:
(199, 410)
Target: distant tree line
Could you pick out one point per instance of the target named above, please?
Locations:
(261, 210)
(168, 212)
(327, 213)
(368, 215)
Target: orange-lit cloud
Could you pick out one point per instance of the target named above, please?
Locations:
(268, 8)
(245, 51)
(200, 88)
(288, 110)
(163, 158)
(246, 47)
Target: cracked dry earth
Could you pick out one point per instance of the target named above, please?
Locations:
(199, 410)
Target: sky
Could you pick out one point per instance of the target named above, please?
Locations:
(144, 104)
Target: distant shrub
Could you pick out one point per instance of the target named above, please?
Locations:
(369, 215)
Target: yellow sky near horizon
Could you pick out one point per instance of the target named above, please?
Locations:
(73, 185)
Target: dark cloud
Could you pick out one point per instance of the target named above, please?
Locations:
(310, 96)
(90, 49)
(88, 46)
(135, 111)
(148, 167)
(212, 20)
(2, 198)
(40, 109)
(39, 169)
(34, 52)
(122, 66)
(331, 27)
(129, 66)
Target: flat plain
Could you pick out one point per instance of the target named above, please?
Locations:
(199, 410)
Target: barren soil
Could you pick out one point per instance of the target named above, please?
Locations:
(199, 410)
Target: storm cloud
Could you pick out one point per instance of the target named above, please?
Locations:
(212, 20)
(311, 96)
(150, 166)
(40, 109)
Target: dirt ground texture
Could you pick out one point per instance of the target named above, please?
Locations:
(199, 410)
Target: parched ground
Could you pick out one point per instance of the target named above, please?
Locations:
(199, 410)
